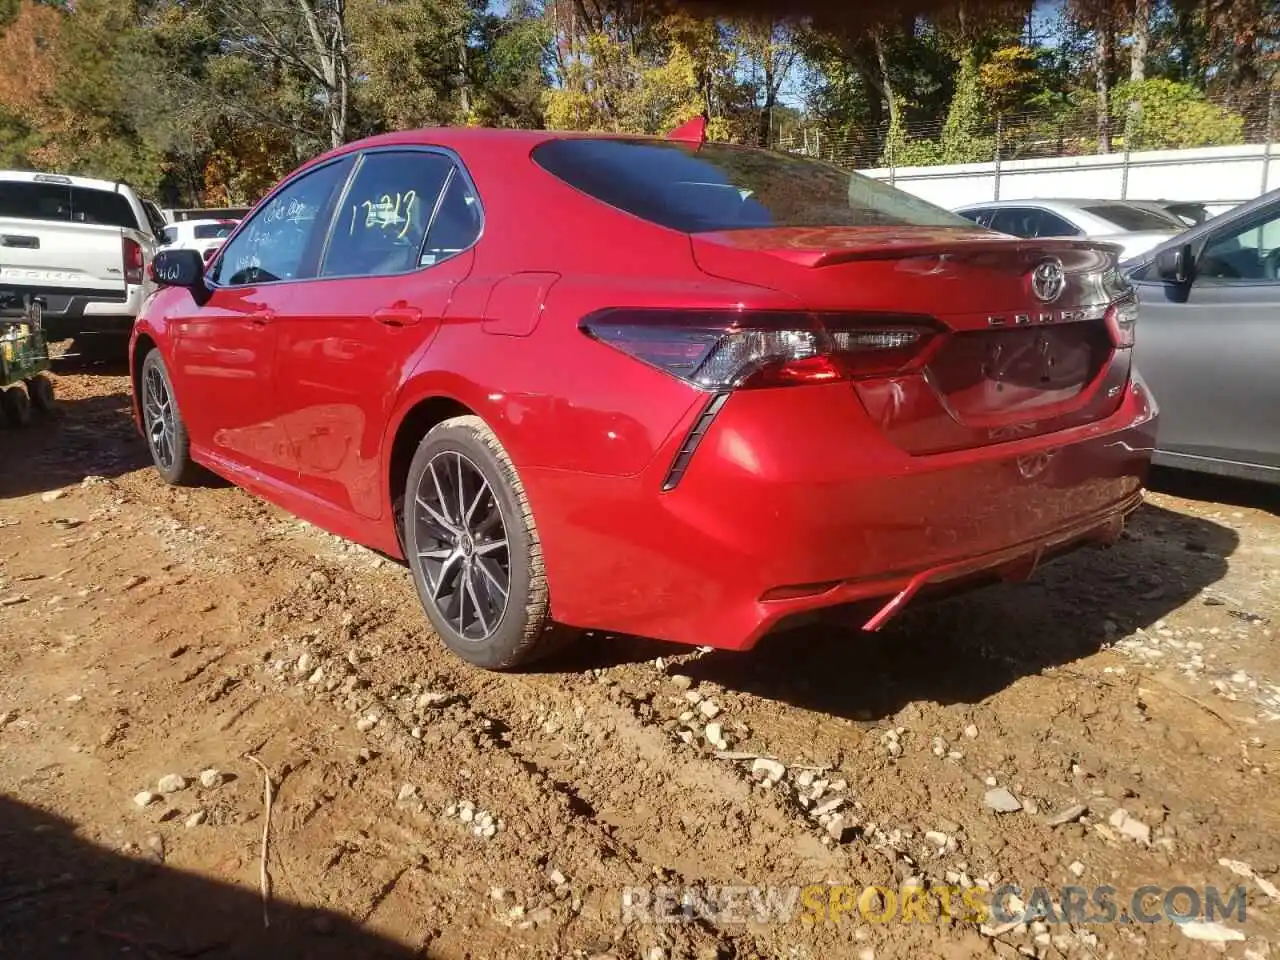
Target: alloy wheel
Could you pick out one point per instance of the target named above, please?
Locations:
(158, 412)
(461, 546)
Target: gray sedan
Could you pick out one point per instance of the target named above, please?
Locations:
(1208, 342)
(1136, 229)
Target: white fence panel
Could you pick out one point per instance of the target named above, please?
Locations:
(1214, 175)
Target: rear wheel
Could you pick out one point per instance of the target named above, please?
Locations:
(17, 406)
(165, 431)
(41, 392)
(472, 545)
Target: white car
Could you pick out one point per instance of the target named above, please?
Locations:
(203, 236)
(1135, 228)
(83, 246)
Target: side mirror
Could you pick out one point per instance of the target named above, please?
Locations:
(1173, 265)
(178, 268)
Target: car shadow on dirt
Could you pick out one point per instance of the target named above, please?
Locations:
(966, 648)
(63, 897)
(104, 355)
(1225, 490)
(90, 436)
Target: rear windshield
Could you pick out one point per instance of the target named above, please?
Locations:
(61, 202)
(1135, 218)
(214, 231)
(721, 187)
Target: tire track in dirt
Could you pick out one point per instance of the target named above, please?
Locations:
(678, 816)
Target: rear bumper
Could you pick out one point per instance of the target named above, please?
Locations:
(795, 501)
(66, 314)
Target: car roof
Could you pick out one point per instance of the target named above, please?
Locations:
(463, 139)
(1043, 202)
(62, 179)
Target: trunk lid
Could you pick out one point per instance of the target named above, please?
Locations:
(1011, 357)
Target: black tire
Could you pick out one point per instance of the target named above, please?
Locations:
(40, 390)
(465, 452)
(168, 443)
(17, 406)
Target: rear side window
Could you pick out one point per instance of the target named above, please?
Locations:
(456, 225)
(384, 217)
(1126, 217)
(213, 231)
(722, 187)
(64, 203)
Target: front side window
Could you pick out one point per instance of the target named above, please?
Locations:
(1251, 252)
(716, 186)
(384, 217)
(280, 240)
(981, 217)
(1031, 223)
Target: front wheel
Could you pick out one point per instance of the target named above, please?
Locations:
(165, 431)
(473, 548)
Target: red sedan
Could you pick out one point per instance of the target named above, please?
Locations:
(663, 387)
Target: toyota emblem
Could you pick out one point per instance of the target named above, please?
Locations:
(1048, 280)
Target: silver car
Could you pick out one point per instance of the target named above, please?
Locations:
(1136, 229)
(1208, 342)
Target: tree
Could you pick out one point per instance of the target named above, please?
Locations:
(308, 38)
(1164, 115)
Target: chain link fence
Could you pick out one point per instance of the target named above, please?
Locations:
(1001, 138)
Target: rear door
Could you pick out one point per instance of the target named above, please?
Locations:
(399, 244)
(1210, 352)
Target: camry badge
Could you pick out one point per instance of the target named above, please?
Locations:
(1048, 280)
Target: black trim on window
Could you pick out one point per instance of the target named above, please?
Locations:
(458, 169)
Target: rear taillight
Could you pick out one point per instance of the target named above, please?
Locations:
(133, 264)
(1122, 317)
(725, 349)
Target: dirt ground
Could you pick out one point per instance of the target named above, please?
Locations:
(424, 808)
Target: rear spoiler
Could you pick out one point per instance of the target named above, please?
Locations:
(693, 131)
(961, 246)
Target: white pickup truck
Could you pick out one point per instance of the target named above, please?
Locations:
(84, 246)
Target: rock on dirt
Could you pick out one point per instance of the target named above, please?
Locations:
(841, 829)
(1209, 932)
(211, 778)
(1068, 815)
(768, 771)
(172, 783)
(1129, 826)
(1002, 801)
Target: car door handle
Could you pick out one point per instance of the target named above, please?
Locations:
(260, 318)
(398, 316)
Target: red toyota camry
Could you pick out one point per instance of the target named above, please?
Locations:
(656, 386)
